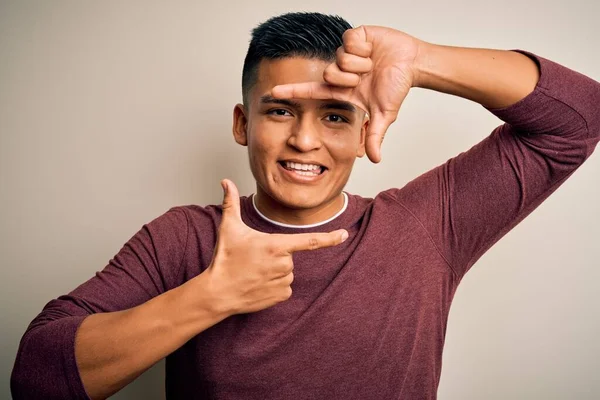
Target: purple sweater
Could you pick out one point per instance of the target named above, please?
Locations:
(368, 317)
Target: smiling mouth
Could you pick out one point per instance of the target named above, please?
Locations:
(303, 169)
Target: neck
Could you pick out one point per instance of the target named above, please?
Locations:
(284, 214)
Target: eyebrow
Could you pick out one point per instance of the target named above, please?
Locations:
(326, 105)
(338, 105)
(268, 99)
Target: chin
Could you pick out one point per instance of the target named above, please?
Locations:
(296, 200)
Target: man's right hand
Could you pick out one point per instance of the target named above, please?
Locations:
(252, 270)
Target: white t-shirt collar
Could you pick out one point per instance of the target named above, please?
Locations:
(301, 226)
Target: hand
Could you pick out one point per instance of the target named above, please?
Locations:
(374, 69)
(251, 270)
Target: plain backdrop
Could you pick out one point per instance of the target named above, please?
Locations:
(111, 112)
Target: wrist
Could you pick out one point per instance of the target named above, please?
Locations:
(197, 305)
(422, 64)
(217, 297)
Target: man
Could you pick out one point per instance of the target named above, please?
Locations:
(210, 288)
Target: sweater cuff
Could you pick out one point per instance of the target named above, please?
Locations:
(46, 367)
(69, 361)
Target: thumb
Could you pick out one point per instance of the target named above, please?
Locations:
(378, 125)
(231, 200)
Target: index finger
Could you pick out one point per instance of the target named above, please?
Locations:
(311, 241)
(310, 90)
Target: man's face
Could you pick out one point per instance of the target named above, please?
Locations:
(301, 151)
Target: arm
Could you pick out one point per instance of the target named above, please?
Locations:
(492, 78)
(113, 327)
(112, 349)
(471, 201)
(552, 124)
(141, 309)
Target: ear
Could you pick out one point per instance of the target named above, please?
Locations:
(360, 152)
(240, 123)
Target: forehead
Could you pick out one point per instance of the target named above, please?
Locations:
(288, 70)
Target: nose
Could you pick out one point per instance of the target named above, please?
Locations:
(305, 136)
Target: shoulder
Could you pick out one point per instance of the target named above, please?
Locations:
(184, 224)
(186, 234)
(196, 219)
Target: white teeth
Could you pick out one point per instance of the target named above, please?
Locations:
(306, 173)
(302, 167)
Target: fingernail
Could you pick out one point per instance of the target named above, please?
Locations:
(344, 236)
(224, 186)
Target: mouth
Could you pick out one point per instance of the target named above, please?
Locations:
(303, 169)
(302, 172)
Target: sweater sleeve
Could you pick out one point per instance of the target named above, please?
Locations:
(146, 266)
(468, 203)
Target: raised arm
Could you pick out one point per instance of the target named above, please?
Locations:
(468, 203)
(552, 124)
(492, 78)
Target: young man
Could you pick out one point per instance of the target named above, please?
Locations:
(210, 288)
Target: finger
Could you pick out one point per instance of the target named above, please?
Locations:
(231, 200)
(356, 42)
(310, 90)
(336, 77)
(311, 241)
(378, 126)
(350, 63)
(285, 267)
(284, 280)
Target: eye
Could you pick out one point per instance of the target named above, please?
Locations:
(280, 112)
(336, 118)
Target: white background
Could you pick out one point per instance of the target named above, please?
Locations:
(111, 112)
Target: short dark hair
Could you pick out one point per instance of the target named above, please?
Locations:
(310, 35)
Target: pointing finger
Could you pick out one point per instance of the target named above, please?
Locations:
(310, 90)
(311, 241)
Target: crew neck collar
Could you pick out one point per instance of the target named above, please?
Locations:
(350, 214)
(317, 224)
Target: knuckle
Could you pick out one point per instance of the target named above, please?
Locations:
(329, 73)
(283, 268)
(391, 116)
(282, 263)
(313, 243)
(352, 46)
(271, 249)
(344, 62)
(347, 35)
(227, 251)
(289, 264)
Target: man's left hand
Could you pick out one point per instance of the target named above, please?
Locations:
(374, 69)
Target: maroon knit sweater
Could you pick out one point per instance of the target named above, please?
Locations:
(367, 318)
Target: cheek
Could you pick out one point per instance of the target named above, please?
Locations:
(343, 148)
(263, 143)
